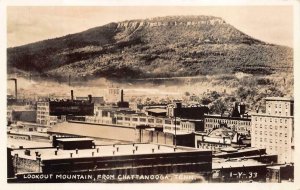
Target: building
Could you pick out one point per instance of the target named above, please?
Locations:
(218, 139)
(280, 173)
(186, 112)
(238, 170)
(113, 95)
(274, 130)
(115, 160)
(238, 124)
(51, 111)
(21, 113)
(238, 120)
(96, 100)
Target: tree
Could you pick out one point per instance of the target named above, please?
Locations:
(217, 107)
(205, 101)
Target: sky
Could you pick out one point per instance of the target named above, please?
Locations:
(272, 24)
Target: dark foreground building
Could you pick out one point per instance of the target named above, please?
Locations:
(89, 161)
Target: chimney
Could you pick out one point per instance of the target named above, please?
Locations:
(90, 98)
(55, 152)
(76, 150)
(152, 150)
(136, 148)
(117, 149)
(16, 88)
(71, 154)
(72, 95)
(122, 96)
(97, 150)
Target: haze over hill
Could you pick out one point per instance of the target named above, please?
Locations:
(158, 47)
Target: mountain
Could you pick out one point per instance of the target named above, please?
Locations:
(158, 47)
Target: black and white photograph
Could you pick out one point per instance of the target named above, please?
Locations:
(150, 94)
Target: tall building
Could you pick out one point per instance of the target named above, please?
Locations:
(114, 94)
(274, 130)
(49, 112)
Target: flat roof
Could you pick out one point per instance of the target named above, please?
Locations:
(279, 98)
(235, 163)
(226, 117)
(268, 115)
(17, 132)
(157, 110)
(104, 151)
(241, 150)
(16, 143)
(74, 139)
(279, 166)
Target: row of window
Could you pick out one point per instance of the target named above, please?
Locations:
(43, 104)
(280, 141)
(270, 119)
(149, 120)
(266, 127)
(279, 105)
(227, 121)
(271, 133)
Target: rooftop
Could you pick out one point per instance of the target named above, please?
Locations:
(103, 151)
(157, 110)
(279, 98)
(235, 163)
(242, 150)
(74, 139)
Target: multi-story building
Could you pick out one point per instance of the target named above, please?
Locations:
(159, 123)
(49, 112)
(82, 156)
(274, 130)
(238, 124)
(114, 94)
(237, 120)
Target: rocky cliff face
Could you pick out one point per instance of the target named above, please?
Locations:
(158, 47)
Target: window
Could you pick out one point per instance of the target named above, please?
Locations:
(144, 120)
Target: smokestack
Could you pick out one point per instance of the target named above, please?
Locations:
(90, 98)
(122, 95)
(16, 88)
(72, 95)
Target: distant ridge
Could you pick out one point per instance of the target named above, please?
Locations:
(157, 47)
